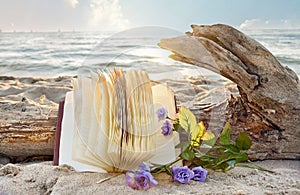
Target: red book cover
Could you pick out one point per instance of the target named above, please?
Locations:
(58, 132)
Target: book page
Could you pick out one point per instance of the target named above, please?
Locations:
(110, 122)
(66, 142)
(136, 143)
(165, 151)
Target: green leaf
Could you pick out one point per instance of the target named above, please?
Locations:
(187, 119)
(176, 127)
(225, 135)
(232, 149)
(253, 166)
(241, 157)
(209, 138)
(243, 142)
(183, 145)
(188, 155)
(199, 155)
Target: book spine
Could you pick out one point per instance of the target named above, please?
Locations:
(58, 133)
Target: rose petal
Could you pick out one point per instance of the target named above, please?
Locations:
(199, 174)
(130, 181)
(167, 128)
(144, 180)
(143, 167)
(162, 113)
(182, 174)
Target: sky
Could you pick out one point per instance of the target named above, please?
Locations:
(117, 15)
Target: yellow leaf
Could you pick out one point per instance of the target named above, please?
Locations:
(209, 138)
(202, 128)
(197, 133)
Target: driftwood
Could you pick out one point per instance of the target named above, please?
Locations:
(27, 140)
(28, 117)
(268, 108)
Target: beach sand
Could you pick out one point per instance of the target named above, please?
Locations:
(31, 98)
(25, 101)
(43, 178)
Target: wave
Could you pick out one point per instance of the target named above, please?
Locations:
(288, 60)
(63, 53)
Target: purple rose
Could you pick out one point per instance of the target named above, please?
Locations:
(167, 128)
(199, 174)
(182, 174)
(144, 179)
(130, 180)
(162, 113)
(143, 167)
(141, 179)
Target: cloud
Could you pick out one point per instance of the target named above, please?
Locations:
(269, 24)
(72, 3)
(107, 15)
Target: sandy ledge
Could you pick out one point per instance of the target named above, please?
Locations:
(43, 178)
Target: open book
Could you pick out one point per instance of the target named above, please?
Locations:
(109, 122)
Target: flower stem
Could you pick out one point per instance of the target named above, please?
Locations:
(254, 166)
(171, 119)
(164, 167)
(108, 178)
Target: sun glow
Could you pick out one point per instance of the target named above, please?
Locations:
(107, 15)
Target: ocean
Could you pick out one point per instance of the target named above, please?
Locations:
(52, 54)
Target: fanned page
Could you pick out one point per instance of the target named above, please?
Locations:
(110, 124)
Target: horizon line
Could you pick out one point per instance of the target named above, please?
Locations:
(115, 31)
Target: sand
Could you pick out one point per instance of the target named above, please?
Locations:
(43, 178)
(32, 99)
(38, 98)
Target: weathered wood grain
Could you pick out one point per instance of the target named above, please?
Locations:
(27, 139)
(269, 105)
